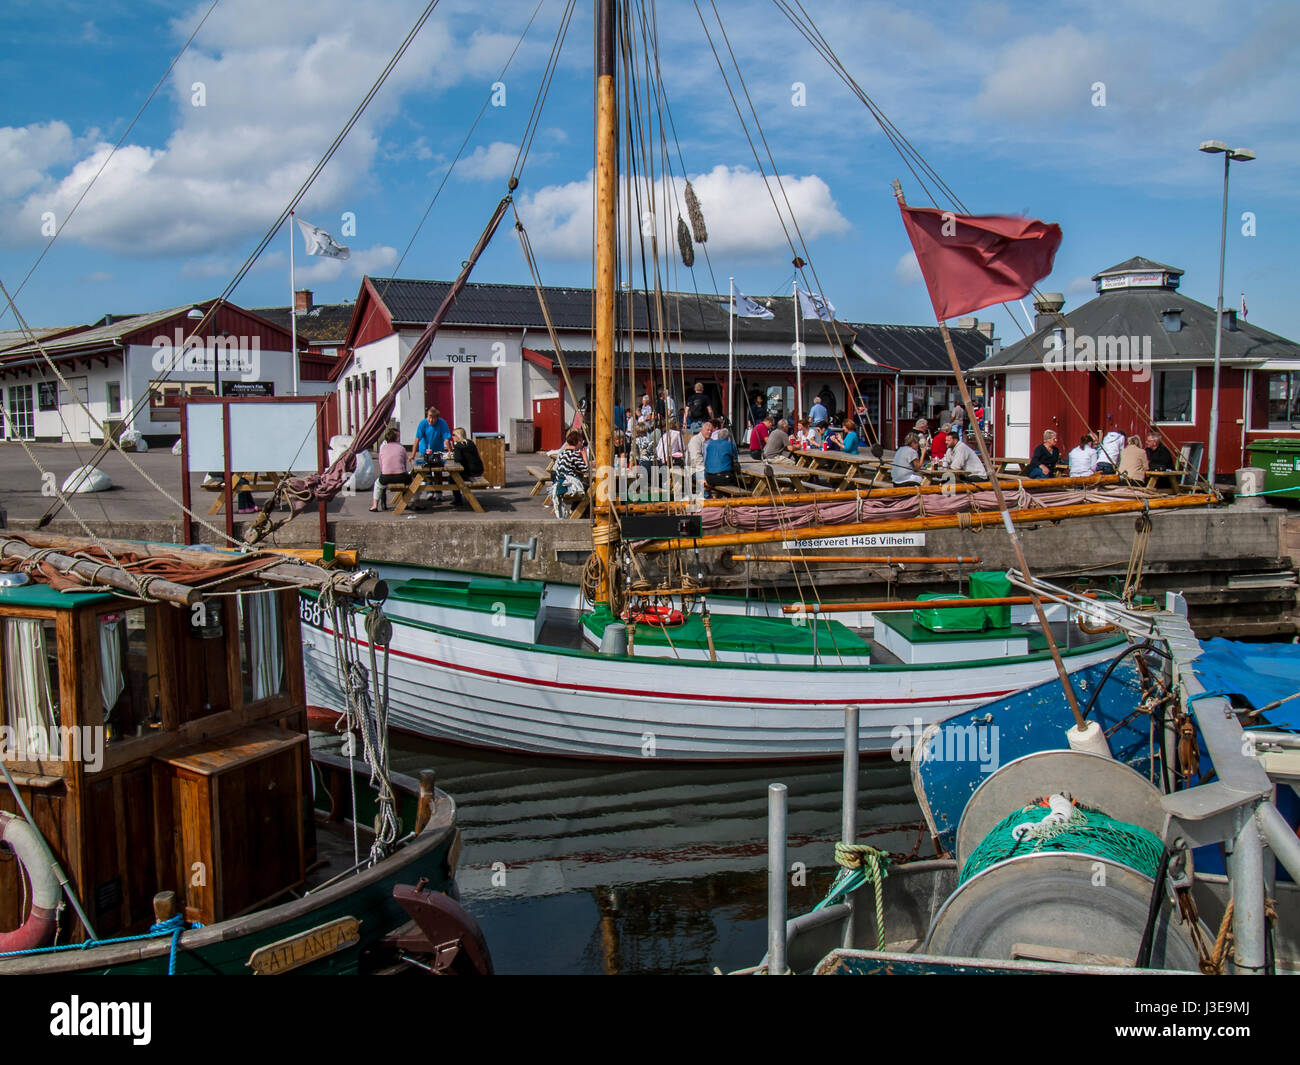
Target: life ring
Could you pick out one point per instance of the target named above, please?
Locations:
(25, 842)
(660, 616)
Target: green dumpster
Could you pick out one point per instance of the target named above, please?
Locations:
(992, 584)
(1279, 458)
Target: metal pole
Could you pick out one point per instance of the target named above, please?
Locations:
(798, 361)
(776, 833)
(293, 312)
(1218, 331)
(1281, 838)
(849, 804)
(1246, 875)
(731, 361)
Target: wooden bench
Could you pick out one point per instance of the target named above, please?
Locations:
(241, 482)
(541, 477)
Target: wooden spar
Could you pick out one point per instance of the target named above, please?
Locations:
(882, 605)
(947, 521)
(300, 574)
(105, 573)
(869, 560)
(604, 530)
(841, 495)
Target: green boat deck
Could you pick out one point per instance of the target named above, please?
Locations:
(486, 595)
(903, 623)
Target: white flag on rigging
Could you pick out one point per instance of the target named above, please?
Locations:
(815, 306)
(319, 242)
(745, 307)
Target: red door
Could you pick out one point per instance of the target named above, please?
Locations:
(548, 424)
(482, 401)
(438, 393)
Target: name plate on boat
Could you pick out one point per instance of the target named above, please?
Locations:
(305, 947)
(868, 540)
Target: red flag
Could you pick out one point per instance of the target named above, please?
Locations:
(971, 261)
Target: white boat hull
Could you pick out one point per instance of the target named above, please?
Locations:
(486, 692)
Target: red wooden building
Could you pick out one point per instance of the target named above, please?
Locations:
(1141, 354)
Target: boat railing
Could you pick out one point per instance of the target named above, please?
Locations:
(1108, 611)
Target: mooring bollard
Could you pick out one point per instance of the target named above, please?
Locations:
(776, 833)
(849, 804)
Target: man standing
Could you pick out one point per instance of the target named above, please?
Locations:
(1047, 456)
(818, 412)
(698, 408)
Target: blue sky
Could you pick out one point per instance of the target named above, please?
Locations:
(999, 97)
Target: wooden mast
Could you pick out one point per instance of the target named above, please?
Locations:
(604, 532)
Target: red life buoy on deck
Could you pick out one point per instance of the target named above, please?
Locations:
(655, 615)
(22, 838)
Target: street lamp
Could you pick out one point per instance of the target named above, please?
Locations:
(1244, 155)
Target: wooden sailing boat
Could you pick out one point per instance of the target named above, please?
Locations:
(157, 775)
(558, 669)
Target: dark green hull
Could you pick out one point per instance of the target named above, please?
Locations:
(226, 947)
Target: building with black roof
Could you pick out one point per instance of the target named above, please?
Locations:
(1141, 354)
(494, 359)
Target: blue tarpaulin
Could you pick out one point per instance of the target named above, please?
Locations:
(1260, 673)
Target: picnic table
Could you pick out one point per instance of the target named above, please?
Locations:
(542, 477)
(428, 480)
(838, 468)
(241, 482)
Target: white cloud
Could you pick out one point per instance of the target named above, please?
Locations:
(98, 277)
(737, 208)
(1044, 75)
(907, 270)
(488, 161)
(1081, 286)
(275, 90)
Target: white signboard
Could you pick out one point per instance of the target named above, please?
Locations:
(271, 436)
(1133, 281)
(869, 540)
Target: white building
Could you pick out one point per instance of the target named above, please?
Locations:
(130, 371)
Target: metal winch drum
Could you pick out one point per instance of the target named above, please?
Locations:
(1060, 906)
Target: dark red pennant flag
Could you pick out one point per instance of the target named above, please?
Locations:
(971, 261)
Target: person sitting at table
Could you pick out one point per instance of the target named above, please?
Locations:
(464, 452)
(430, 439)
(777, 441)
(907, 462)
(828, 441)
(939, 447)
(720, 459)
(1108, 453)
(813, 437)
(1083, 459)
(695, 449)
(1046, 457)
(846, 437)
(1133, 461)
(1159, 457)
(392, 468)
(759, 434)
(962, 458)
(569, 477)
(671, 449)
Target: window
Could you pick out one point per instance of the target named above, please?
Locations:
(31, 687)
(114, 397)
(1283, 391)
(1171, 395)
(21, 419)
(128, 671)
(47, 395)
(261, 650)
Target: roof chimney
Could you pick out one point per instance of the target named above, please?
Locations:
(1230, 319)
(969, 322)
(302, 301)
(986, 328)
(1046, 308)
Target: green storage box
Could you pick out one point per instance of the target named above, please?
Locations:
(1280, 460)
(951, 618)
(992, 584)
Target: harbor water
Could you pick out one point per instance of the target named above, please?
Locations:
(592, 867)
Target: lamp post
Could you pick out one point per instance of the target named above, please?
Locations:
(1243, 155)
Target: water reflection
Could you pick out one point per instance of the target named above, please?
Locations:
(588, 867)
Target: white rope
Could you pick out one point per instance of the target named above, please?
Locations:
(1063, 811)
